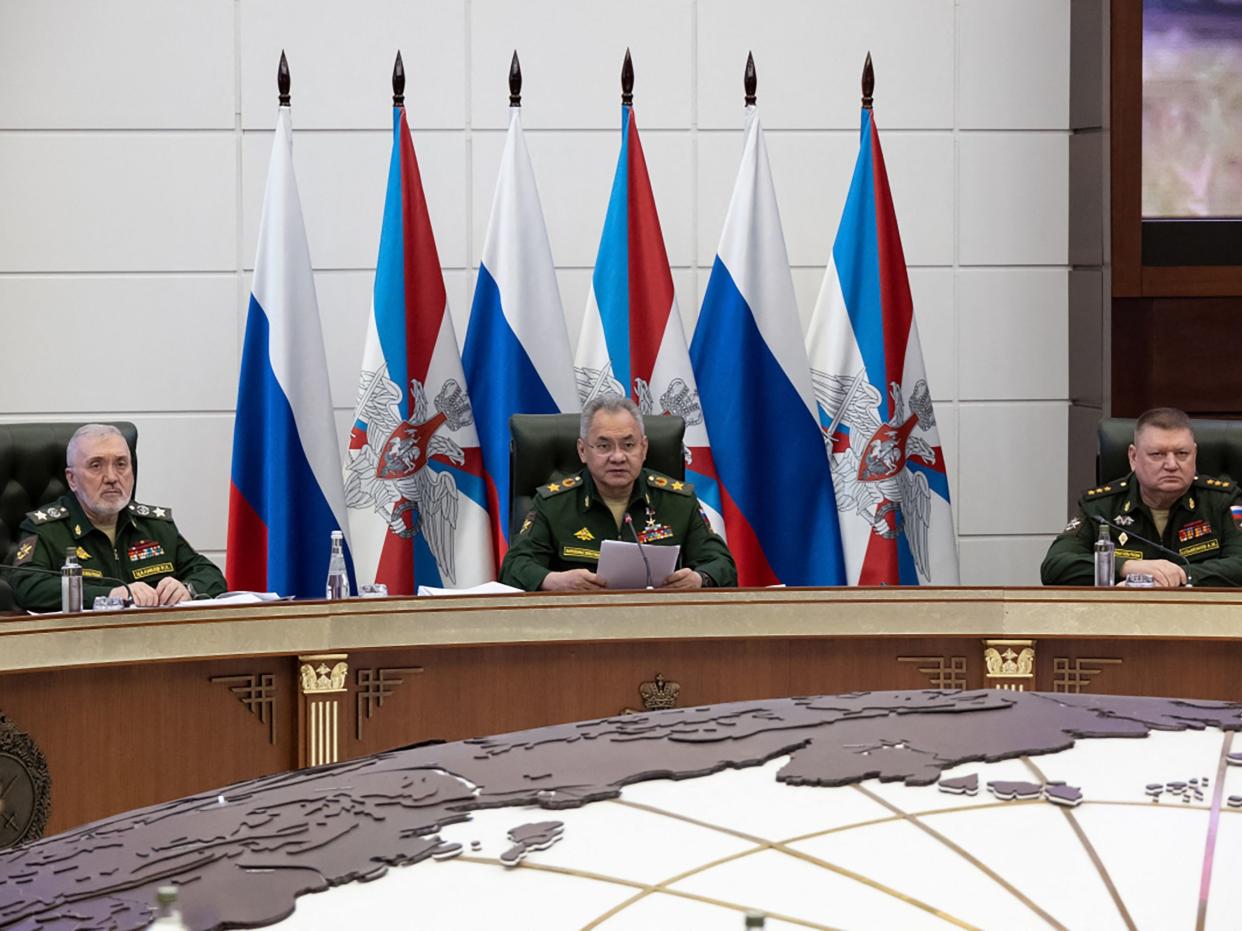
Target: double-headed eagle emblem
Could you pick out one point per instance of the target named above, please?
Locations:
(870, 458)
(387, 470)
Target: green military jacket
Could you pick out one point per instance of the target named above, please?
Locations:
(148, 547)
(569, 520)
(1202, 529)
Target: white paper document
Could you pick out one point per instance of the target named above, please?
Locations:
(487, 588)
(621, 563)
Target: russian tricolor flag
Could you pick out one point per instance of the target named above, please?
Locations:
(285, 498)
(632, 341)
(875, 407)
(516, 357)
(414, 477)
(752, 371)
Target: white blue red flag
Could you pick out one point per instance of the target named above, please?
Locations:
(285, 498)
(516, 358)
(632, 341)
(875, 408)
(414, 476)
(755, 383)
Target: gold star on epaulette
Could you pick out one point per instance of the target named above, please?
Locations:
(554, 487)
(678, 486)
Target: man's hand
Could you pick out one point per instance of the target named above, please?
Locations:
(170, 591)
(143, 594)
(573, 580)
(682, 579)
(1164, 574)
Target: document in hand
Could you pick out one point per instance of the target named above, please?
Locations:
(621, 563)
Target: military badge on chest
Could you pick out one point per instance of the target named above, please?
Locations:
(1194, 530)
(653, 531)
(145, 549)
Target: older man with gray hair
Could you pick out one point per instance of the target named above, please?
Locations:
(115, 539)
(614, 498)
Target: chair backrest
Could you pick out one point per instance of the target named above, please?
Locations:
(1219, 454)
(544, 448)
(32, 471)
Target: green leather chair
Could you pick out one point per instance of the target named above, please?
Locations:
(1219, 453)
(544, 448)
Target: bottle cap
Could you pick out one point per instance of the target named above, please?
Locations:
(166, 895)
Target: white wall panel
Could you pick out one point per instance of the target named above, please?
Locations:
(340, 60)
(342, 178)
(153, 343)
(1012, 467)
(1014, 64)
(142, 64)
(117, 202)
(1014, 333)
(184, 463)
(809, 58)
(571, 57)
(1013, 197)
(936, 314)
(1002, 560)
(344, 311)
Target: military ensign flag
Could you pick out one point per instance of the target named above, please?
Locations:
(751, 365)
(285, 498)
(516, 357)
(414, 473)
(875, 407)
(632, 342)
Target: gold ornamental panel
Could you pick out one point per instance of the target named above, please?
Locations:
(323, 673)
(1009, 664)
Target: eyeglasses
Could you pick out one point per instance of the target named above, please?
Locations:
(607, 447)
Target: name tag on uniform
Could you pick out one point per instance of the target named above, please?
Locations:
(579, 552)
(1205, 547)
(158, 569)
(1129, 554)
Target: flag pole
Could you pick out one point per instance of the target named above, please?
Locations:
(627, 81)
(282, 80)
(868, 83)
(398, 82)
(750, 80)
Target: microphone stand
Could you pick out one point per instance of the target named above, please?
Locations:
(1105, 522)
(629, 522)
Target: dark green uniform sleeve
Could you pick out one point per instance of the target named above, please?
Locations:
(38, 591)
(199, 571)
(1071, 558)
(528, 561)
(706, 552)
(1224, 571)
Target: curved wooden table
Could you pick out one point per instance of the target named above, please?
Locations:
(143, 706)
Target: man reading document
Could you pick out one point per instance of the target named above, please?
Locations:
(558, 547)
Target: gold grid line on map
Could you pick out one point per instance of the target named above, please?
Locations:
(762, 844)
(964, 854)
(1089, 847)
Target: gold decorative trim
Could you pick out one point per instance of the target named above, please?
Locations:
(323, 673)
(257, 691)
(943, 672)
(1072, 674)
(1009, 664)
(323, 745)
(374, 685)
(660, 694)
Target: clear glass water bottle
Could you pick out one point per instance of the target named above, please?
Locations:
(167, 912)
(71, 581)
(1104, 551)
(338, 577)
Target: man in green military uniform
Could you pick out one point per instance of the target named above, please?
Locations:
(614, 498)
(114, 538)
(1163, 500)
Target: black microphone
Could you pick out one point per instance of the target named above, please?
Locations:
(629, 522)
(56, 572)
(1105, 522)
